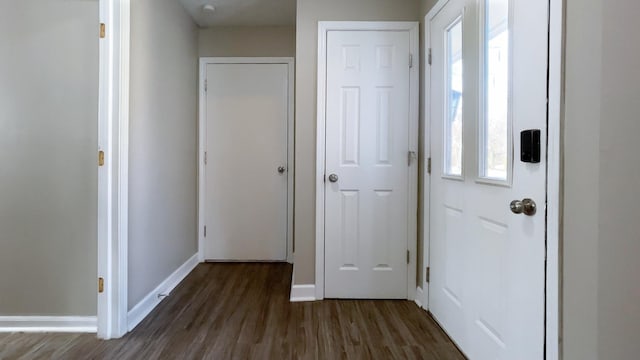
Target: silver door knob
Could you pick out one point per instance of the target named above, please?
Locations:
(526, 206)
(333, 178)
(281, 169)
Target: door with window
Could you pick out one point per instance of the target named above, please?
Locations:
(488, 116)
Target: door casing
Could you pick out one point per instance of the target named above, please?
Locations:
(414, 113)
(113, 177)
(202, 141)
(554, 173)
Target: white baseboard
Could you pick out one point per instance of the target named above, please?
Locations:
(75, 324)
(149, 302)
(301, 293)
(419, 297)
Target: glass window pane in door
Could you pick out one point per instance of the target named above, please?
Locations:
(453, 108)
(494, 162)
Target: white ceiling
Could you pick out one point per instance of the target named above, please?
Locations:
(242, 12)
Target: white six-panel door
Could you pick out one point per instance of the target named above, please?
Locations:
(246, 162)
(367, 170)
(488, 83)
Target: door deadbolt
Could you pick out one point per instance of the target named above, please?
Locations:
(526, 206)
(333, 178)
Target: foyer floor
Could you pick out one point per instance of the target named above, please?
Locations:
(242, 311)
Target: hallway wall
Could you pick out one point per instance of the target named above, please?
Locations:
(163, 143)
(601, 305)
(48, 161)
(247, 41)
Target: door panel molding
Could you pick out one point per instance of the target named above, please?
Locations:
(202, 140)
(323, 28)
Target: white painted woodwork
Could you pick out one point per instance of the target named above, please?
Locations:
(367, 144)
(113, 177)
(487, 285)
(245, 206)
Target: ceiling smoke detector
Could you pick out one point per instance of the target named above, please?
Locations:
(208, 9)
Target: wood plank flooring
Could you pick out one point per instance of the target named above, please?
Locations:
(242, 311)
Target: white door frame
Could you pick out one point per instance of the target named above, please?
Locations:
(414, 113)
(113, 140)
(202, 140)
(554, 172)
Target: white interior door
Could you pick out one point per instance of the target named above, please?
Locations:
(367, 173)
(246, 162)
(488, 83)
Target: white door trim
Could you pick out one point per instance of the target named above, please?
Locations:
(414, 113)
(555, 154)
(554, 172)
(113, 139)
(202, 126)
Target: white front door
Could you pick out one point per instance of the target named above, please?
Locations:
(246, 162)
(367, 170)
(488, 84)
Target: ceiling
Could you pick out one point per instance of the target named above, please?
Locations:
(242, 12)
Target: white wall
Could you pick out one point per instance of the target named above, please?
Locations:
(601, 306)
(48, 157)
(248, 41)
(309, 12)
(163, 143)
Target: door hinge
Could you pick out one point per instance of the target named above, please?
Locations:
(205, 231)
(100, 158)
(429, 56)
(205, 158)
(427, 275)
(410, 61)
(103, 30)
(206, 85)
(429, 166)
(408, 256)
(100, 285)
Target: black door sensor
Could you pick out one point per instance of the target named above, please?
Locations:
(530, 146)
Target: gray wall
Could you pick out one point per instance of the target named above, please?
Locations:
(308, 14)
(601, 306)
(249, 41)
(619, 233)
(48, 149)
(582, 172)
(163, 143)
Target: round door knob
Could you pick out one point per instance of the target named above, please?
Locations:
(516, 207)
(526, 206)
(281, 169)
(333, 178)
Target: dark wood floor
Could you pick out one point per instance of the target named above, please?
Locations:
(242, 311)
